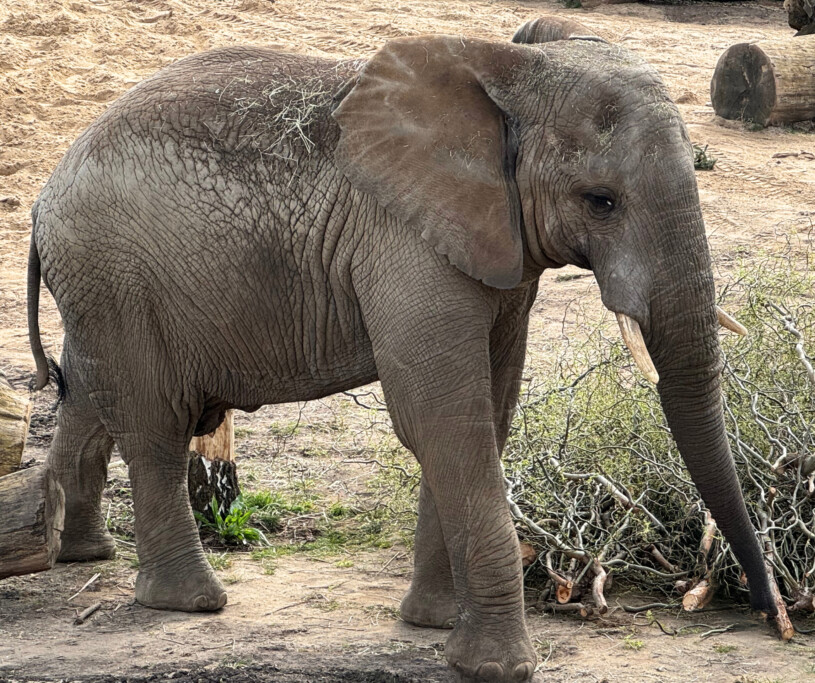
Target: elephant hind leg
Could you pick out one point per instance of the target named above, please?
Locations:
(79, 456)
(173, 570)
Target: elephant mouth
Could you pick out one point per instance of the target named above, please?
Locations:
(632, 336)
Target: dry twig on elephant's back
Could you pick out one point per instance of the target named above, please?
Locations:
(590, 454)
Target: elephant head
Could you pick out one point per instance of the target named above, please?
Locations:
(509, 159)
(547, 29)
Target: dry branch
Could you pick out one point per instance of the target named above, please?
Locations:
(698, 596)
(597, 587)
(591, 453)
(82, 617)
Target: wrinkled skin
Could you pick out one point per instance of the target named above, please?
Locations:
(205, 253)
(550, 28)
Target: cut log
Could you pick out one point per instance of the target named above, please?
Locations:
(547, 29)
(768, 83)
(32, 513)
(15, 415)
(212, 469)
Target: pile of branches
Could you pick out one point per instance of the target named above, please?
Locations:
(597, 486)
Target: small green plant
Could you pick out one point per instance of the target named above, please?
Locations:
(702, 161)
(219, 561)
(233, 528)
(338, 511)
(268, 557)
(631, 643)
(284, 430)
(344, 564)
(269, 508)
(243, 432)
(724, 649)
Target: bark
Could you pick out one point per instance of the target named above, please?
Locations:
(769, 82)
(15, 415)
(32, 514)
(212, 470)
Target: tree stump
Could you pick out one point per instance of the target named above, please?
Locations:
(212, 469)
(769, 83)
(32, 514)
(15, 415)
(800, 13)
(546, 29)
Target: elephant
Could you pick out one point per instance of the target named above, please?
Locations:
(250, 227)
(547, 29)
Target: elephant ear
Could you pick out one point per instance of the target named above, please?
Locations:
(422, 134)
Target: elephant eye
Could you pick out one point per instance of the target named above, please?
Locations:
(600, 203)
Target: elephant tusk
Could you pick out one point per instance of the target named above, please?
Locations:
(632, 336)
(730, 323)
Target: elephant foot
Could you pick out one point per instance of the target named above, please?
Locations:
(86, 546)
(480, 658)
(186, 590)
(428, 608)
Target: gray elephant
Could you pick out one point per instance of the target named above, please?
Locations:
(250, 227)
(547, 29)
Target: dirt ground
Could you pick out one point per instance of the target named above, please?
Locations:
(332, 616)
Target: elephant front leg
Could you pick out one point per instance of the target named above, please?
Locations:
(430, 600)
(452, 433)
(173, 570)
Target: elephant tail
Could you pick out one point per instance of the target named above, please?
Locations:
(47, 367)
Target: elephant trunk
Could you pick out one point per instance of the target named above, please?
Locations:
(694, 413)
(684, 344)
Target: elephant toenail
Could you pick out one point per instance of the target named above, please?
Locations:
(201, 603)
(523, 672)
(490, 671)
(221, 601)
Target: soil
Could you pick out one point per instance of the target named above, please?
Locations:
(332, 616)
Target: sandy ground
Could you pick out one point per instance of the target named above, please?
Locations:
(313, 618)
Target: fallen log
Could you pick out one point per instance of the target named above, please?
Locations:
(768, 83)
(32, 514)
(15, 415)
(212, 471)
